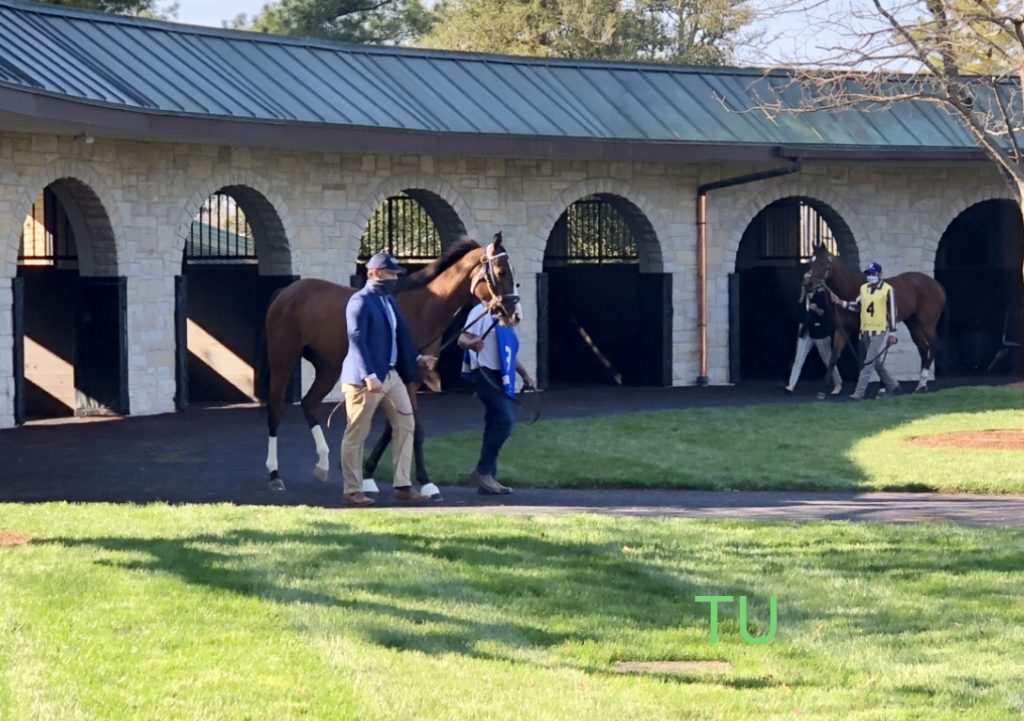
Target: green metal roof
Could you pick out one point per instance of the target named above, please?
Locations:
(147, 67)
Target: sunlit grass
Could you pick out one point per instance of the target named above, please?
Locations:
(217, 613)
(812, 446)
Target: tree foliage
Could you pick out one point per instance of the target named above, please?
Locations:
(966, 56)
(386, 22)
(678, 31)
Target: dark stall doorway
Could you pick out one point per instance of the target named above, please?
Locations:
(979, 263)
(770, 264)
(69, 329)
(600, 319)
(222, 297)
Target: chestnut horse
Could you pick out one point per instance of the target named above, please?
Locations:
(307, 319)
(919, 299)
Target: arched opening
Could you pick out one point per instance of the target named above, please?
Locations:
(236, 256)
(415, 226)
(600, 319)
(69, 309)
(765, 289)
(979, 264)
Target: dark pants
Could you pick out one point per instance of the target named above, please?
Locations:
(499, 417)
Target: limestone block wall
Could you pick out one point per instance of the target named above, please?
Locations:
(320, 203)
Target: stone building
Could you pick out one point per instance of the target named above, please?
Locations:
(118, 134)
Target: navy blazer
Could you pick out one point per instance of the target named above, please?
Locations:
(369, 340)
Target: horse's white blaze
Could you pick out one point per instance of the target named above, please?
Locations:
(271, 454)
(322, 451)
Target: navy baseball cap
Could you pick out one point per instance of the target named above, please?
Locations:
(384, 261)
(874, 268)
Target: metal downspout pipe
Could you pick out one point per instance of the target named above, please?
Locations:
(796, 164)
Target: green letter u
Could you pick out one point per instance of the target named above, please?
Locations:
(773, 606)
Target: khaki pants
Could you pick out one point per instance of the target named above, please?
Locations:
(359, 408)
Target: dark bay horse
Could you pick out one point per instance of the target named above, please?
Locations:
(919, 298)
(307, 320)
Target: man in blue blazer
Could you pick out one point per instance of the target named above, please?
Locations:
(381, 359)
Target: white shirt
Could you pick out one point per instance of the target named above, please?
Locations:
(478, 323)
(394, 329)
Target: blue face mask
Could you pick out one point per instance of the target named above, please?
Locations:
(381, 286)
(873, 279)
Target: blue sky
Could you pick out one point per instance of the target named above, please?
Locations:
(789, 33)
(211, 12)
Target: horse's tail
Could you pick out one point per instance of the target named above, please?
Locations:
(942, 339)
(262, 356)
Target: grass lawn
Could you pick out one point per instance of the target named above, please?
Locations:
(219, 612)
(812, 446)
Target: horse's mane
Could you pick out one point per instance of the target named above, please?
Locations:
(452, 255)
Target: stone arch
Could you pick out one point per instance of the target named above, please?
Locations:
(98, 225)
(439, 198)
(839, 214)
(640, 213)
(953, 209)
(267, 213)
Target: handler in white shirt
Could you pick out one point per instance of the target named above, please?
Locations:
(491, 363)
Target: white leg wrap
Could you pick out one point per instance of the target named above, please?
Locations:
(322, 452)
(271, 454)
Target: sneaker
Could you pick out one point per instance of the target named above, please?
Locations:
(837, 390)
(358, 499)
(855, 397)
(408, 494)
(787, 389)
(486, 485)
(896, 390)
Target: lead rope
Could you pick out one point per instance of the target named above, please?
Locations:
(533, 390)
(856, 351)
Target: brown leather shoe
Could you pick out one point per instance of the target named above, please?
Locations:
(486, 485)
(358, 499)
(408, 494)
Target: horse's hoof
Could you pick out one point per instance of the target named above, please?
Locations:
(431, 491)
(276, 484)
(921, 389)
(320, 473)
(370, 486)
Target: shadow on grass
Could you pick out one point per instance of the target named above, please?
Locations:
(492, 595)
(482, 595)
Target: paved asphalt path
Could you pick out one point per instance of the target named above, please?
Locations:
(208, 455)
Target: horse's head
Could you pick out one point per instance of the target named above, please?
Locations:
(494, 284)
(821, 267)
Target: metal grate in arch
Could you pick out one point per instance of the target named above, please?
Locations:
(591, 230)
(46, 235)
(220, 234)
(789, 229)
(402, 227)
